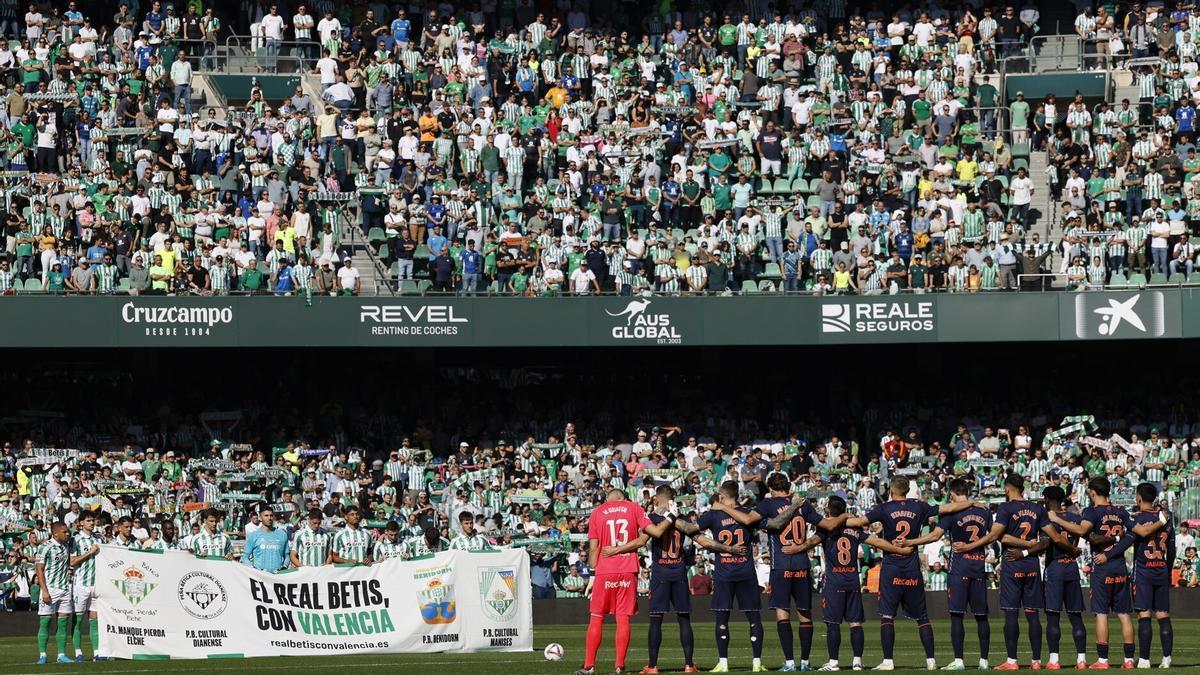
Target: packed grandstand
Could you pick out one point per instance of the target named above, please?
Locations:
(536, 491)
(508, 149)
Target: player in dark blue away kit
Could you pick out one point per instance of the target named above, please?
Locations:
(788, 520)
(841, 597)
(670, 559)
(733, 575)
(1016, 526)
(1110, 531)
(900, 580)
(1153, 559)
(966, 588)
(1064, 590)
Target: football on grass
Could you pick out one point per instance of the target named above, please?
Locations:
(553, 651)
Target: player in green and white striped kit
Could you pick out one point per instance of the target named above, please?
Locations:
(389, 545)
(469, 540)
(310, 544)
(352, 544)
(427, 544)
(123, 533)
(84, 547)
(53, 565)
(210, 541)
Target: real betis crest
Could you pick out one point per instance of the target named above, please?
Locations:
(498, 592)
(133, 585)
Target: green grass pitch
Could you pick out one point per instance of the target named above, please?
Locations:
(17, 655)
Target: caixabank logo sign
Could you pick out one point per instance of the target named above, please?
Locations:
(1123, 316)
(878, 320)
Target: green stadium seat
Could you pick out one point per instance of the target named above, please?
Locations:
(123, 284)
(1020, 150)
(800, 185)
(1193, 280)
(409, 287)
(394, 271)
(421, 252)
(813, 200)
(32, 285)
(383, 251)
(376, 235)
(1158, 279)
(424, 285)
(771, 271)
(782, 186)
(748, 286)
(1020, 163)
(1137, 280)
(1118, 280)
(493, 288)
(693, 233)
(767, 287)
(767, 188)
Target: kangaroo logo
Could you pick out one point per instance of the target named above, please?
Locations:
(631, 311)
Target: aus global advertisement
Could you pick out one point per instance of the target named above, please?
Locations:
(154, 605)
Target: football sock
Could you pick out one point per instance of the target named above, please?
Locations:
(833, 640)
(77, 633)
(61, 633)
(858, 640)
(1012, 632)
(654, 639)
(984, 629)
(784, 628)
(925, 630)
(1035, 633)
(1053, 633)
(595, 634)
(622, 639)
(94, 632)
(1145, 635)
(957, 634)
(1078, 632)
(686, 638)
(1167, 635)
(722, 634)
(756, 633)
(43, 632)
(887, 637)
(806, 639)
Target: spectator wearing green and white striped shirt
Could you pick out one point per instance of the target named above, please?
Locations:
(107, 275)
(352, 544)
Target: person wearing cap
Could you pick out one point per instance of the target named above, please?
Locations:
(583, 280)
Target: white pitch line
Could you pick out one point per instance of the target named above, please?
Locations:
(288, 667)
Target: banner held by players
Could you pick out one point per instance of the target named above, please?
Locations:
(174, 605)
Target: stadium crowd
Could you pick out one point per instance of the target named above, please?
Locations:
(524, 149)
(214, 497)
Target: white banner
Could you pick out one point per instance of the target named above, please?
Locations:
(174, 605)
